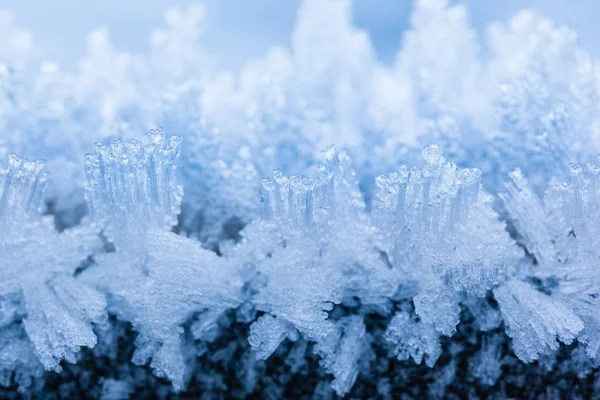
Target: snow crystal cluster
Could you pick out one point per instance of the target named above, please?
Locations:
(318, 224)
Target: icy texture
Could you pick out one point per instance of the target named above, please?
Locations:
(413, 338)
(428, 221)
(430, 218)
(534, 320)
(343, 351)
(328, 279)
(486, 316)
(156, 280)
(17, 356)
(323, 243)
(133, 186)
(562, 233)
(267, 333)
(487, 365)
(37, 264)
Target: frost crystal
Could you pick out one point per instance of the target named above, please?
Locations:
(430, 218)
(534, 320)
(267, 333)
(487, 366)
(134, 186)
(562, 233)
(37, 267)
(413, 338)
(428, 221)
(343, 351)
(156, 280)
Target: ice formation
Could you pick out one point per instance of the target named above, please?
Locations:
(316, 224)
(39, 294)
(133, 191)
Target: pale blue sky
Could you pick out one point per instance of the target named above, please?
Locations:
(238, 30)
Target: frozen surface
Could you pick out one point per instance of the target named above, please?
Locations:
(316, 224)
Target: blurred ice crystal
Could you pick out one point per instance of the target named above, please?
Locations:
(487, 365)
(17, 356)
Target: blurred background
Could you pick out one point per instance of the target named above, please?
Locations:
(239, 30)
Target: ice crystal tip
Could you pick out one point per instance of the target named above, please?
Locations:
(267, 333)
(313, 202)
(22, 185)
(436, 211)
(433, 155)
(135, 186)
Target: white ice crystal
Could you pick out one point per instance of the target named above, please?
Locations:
(324, 245)
(155, 279)
(37, 268)
(428, 221)
(322, 250)
(413, 338)
(134, 187)
(562, 233)
(267, 333)
(534, 320)
(343, 352)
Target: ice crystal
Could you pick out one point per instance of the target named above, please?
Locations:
(343, 351)
(134, 186)
(428, 219)
(534, 320)
(413, 338)
(487, 365)
(324, 242)
(133, 190)
(561, 231)
(37, 285)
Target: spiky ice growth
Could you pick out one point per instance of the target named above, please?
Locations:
(314, 204)
(337, 282)
(38, 293)
(132, 186)
(561, 232)
(429, 219)
(547, 320)
(305, 215)
(156, 280)
(345, 352)
(323, 229)
(413, 338)
(23, 184)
